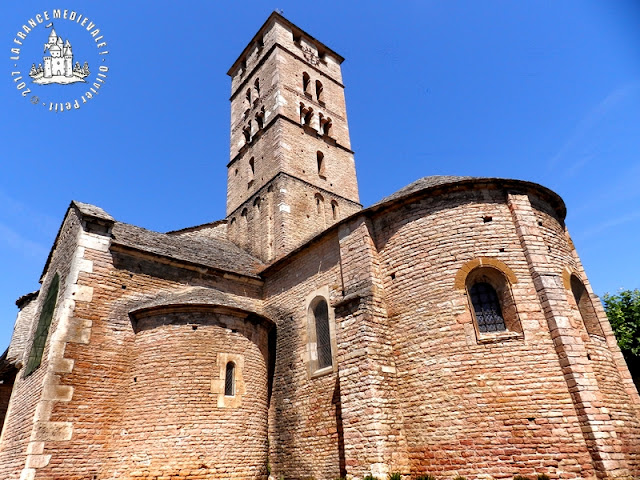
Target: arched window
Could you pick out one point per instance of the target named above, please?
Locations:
(248, 96)
(260, 118)
(325, 124)
(244, 214)
(334, 209)
(486, 307)
(230, 380)
(306, 114)
(319, 203)
(252, 168)
(491, 301)
(306, 82)
(320, 160)
(246, 131)
(256, 87)
(257, 202)
(585, 307)
(320, 318)
(319, 90)
(42, 331)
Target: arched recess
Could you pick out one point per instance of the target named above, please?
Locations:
(576, 289)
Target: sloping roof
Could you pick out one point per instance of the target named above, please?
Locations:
(421, 184)
(209, 252)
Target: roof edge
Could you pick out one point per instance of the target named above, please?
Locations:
(390, 201)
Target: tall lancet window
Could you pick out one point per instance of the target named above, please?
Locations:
(323, 337)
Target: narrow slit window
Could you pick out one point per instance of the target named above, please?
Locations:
(256, 87)
(249, 96)
(252, 168)
(486, 306)
(320, 160)
(230, 380)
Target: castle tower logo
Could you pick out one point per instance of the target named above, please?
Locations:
(58, 64)
(70, 70)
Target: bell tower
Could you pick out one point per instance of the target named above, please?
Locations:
(291, 172)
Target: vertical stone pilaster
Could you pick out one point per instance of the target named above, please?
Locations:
(374, 440)
(599, 433)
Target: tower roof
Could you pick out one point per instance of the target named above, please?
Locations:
(273, 18)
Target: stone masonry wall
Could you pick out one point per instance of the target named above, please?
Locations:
(499, 406)
(305, 432)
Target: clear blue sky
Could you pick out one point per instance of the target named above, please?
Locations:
(544, 91)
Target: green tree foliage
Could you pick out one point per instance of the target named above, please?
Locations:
(623, 311)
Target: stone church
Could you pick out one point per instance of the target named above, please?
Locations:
(448, 329)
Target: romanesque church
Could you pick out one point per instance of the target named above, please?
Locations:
(448, 329)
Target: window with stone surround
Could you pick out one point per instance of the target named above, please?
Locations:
(44, 323)
(585, 307)
(491, 303)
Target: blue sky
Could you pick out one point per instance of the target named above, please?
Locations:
(544, 91)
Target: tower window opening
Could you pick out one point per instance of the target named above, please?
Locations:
(256, 87)
(319, 91)
(306, 83)
(334, 209)
(252, 167)
(248, 95)
(325, 125)
(321, 164)
(260, 118)
(246, 131)
(230, 380)
(306, 114)
(257, 202)
(319, 203)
